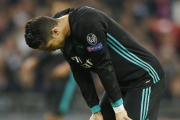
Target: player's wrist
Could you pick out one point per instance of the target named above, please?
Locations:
(96, 109)
(118, 106)
(97, 113)
(119, 109)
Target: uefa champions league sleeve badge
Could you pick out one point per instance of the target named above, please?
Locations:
(91, 39)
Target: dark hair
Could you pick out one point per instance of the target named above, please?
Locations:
(38, 30)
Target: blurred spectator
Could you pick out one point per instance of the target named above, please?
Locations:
(164, 8)
(175, 86)
(3, 79)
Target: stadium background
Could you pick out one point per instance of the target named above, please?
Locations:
(154, 23)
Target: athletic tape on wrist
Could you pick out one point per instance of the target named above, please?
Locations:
(119, 108)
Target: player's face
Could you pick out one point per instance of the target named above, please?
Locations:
(52, 45)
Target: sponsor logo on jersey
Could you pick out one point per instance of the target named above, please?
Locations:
(77, 59)
(95, 47)
(91, 39)
(87, 64)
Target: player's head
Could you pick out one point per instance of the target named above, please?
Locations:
(38, 31)
(41, 33)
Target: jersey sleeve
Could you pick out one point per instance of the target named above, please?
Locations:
(84, 80)
(92, 33)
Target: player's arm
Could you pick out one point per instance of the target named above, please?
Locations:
(61, 71)
(84, 80)
(92, 32)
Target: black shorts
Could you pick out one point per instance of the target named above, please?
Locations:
(59, 95)
(140, 104)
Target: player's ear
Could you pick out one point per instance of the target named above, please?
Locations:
(55, 32)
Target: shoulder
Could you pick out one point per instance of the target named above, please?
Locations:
(83, 14)
(85, 18)
(63, 12)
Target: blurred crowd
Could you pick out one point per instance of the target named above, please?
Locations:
(154, 23)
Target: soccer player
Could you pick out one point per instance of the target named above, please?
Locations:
(132, 77)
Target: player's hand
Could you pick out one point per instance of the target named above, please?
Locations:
(96, 116)
(122, 116)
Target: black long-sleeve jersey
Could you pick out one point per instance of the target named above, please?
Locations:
(97, 43)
